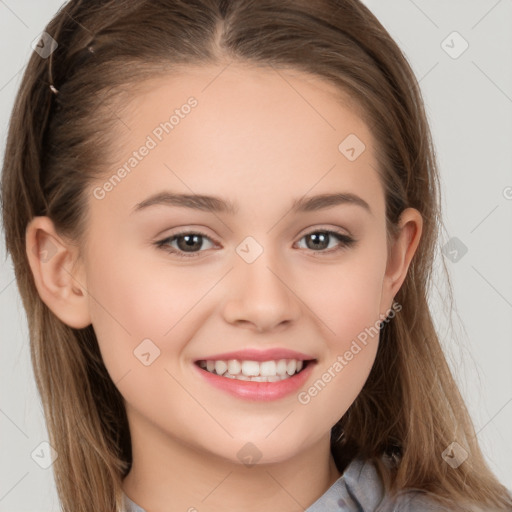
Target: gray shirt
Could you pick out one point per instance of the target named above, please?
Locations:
(359, 489)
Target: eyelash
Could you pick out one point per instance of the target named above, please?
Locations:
(346, 242)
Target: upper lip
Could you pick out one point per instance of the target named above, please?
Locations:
(258, 355)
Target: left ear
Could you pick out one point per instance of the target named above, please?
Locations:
(402, 250)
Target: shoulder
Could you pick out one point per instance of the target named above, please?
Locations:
(413, 501)
(419, 501)
(360, 488)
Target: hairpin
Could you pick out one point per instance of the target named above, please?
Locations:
(53, 88)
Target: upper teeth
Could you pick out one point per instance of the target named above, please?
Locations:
(232, 368)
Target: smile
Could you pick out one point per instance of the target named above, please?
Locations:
(256, 380)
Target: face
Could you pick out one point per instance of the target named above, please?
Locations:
(263, 276)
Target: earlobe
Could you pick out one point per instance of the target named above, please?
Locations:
(58, 273)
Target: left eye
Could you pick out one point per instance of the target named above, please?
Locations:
(320, 238)
(188, 241)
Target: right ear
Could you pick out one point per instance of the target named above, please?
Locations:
(58, 272)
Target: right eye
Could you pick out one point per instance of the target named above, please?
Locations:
(191, 240)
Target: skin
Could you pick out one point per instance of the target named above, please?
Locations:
(254, 140)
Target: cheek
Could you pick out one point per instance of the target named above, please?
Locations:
(134, 298)
(127, 306)
(346, 305)
(345, 298)
(142, 316)
(351, 343)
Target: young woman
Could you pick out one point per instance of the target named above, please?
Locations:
(223, 217)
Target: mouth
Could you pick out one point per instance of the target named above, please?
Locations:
(274, 370)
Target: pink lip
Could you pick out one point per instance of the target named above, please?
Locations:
(260, 391)
(258, 355)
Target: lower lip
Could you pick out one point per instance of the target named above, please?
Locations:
(260, 391)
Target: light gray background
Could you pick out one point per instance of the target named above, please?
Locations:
(469, 104)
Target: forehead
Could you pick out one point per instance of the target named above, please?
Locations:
(245, 131)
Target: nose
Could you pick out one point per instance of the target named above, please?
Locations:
(261, 295)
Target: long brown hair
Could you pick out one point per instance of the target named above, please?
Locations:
(410, 407)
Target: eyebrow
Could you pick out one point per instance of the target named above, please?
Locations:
(216, 204)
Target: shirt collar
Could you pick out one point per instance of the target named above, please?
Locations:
(358, 489)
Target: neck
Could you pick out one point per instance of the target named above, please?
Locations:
(166, 472)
